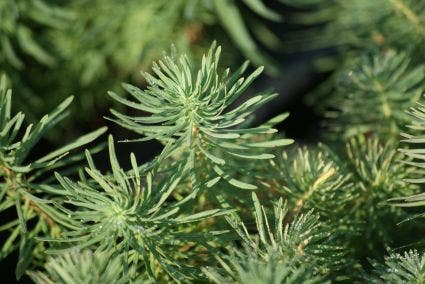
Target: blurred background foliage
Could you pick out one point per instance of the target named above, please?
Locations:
(51, 49)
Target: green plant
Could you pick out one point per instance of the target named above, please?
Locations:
(227, 199)
(19, 18)
(131, 212)
(192, 115)
(386, 81)
(82, 267)
(406, 268)
(130, 218)
(27, 183)
(73, 39)
(248, 267)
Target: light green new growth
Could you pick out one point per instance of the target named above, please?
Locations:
(250, 268)
(401, 268)
(86, 267)
(129, 215)
(387, 83)
(289, 236)
(195, 112)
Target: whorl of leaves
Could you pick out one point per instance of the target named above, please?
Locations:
(313, 178)
(250, 268)
(379, 175)
(408, 267)
(129, 214)
(375, 91)
(375, 165)
(195, 111)
(86, 267)
(290, 236)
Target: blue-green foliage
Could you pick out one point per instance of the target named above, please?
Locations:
(221, 202)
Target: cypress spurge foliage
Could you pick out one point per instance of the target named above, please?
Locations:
(194, 112)
(375, 90)
(17, 36)
(363, 24)
(290, 237)
(131, 215)
(313, 178)
(378, 175)
(415, 138)
(414, 155)
(86, 267)
(350, 191)
(26, 182)
(248, 267)
(164, 220)
(138, 217)
(408, 267)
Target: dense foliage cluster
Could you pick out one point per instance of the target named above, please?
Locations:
(228, 198)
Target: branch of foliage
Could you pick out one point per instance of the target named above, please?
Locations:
(24, 183)
(194, 111)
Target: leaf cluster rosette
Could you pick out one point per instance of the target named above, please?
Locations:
(130, 213)
(195, 112)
